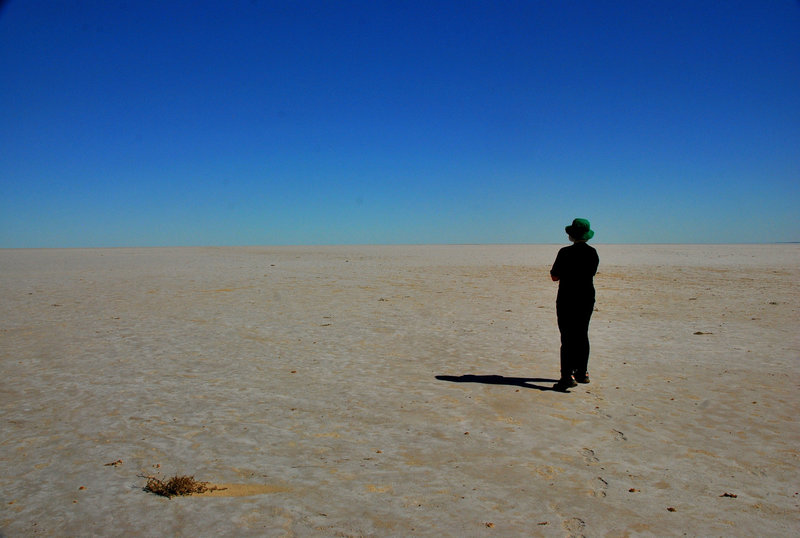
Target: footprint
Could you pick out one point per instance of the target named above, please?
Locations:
(574, 526)
(600, 487)
(588, 456)
(619, 436)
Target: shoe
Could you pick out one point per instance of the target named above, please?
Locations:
(584, 378)
(565, 383)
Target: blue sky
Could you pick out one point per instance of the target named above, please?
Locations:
(302, 122)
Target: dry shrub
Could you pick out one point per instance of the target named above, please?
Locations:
(177, 485)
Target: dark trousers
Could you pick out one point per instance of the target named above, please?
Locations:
(573, 322)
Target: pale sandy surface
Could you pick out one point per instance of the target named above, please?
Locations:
(308, 377)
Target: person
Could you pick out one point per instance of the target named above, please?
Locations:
(574, 270)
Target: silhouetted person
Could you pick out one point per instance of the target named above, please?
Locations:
(574, 270)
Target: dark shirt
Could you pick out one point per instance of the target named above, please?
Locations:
(575, 267)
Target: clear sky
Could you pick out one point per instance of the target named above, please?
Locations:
(143, 123)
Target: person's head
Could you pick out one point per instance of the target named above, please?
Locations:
(579, 231)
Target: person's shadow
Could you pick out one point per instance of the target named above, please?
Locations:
(524, 382)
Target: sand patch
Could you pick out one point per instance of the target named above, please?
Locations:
(241, 490)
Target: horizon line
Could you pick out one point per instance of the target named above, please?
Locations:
(317, 245)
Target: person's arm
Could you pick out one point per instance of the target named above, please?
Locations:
(555, 271)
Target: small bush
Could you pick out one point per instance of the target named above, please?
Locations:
(177, 485)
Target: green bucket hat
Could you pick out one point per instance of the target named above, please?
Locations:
(580, 230)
